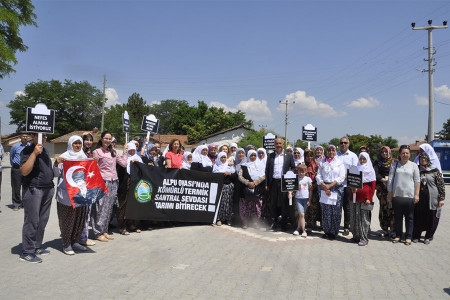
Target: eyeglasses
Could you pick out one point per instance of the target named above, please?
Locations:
(405, 146)
(344, 143)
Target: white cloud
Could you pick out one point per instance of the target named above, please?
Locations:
(19, 93)
(405, 140)
(113, 97)
(255, 110)
(224, 106)
(421, 100)
(309, 105)
(155, 102)
(364, 103)
(442, 92)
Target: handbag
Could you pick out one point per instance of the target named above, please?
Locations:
(368, 207)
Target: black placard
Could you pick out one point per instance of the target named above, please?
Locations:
(269, 143)
(126, 124)
(354, 180)
(289, 184)
(149, 125)
(309, 135)
(43, 123)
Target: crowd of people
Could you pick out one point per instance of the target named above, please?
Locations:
(251, 194)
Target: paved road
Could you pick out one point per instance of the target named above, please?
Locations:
(205, 262)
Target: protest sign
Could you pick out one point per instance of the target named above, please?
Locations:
(173, 194)
(150, 124)
(84, 182)
(354, 178)
(40, 119)
(126, 124)
(269, 141)
(309, 133)
(289, 182)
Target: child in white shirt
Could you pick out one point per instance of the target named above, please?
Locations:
(303, 198)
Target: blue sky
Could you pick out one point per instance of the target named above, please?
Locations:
(350, 66)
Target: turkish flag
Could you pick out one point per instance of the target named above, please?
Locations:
(84, 182)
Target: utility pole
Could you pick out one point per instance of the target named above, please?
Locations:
(286, 102)
(431, 64)
(103, 101)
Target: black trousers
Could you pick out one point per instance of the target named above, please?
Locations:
(346, 206)
(16, 185)
(279, 203)
(403, 207)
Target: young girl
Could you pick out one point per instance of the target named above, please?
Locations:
(303, 198)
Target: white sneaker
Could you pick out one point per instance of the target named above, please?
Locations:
(79, 247)
(304, 234)
(296, 232)
(68, 251)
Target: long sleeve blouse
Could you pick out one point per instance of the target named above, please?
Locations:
(107, 163)
(331, 171)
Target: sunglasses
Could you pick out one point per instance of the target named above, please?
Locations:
(344, 143)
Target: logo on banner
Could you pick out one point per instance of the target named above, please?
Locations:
(143, 191)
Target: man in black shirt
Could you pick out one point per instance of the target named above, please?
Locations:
(37, 198)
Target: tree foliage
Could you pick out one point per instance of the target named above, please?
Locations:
(301, 144)
(254, 138)
(78, 104)
(444, 134)
(13, 14)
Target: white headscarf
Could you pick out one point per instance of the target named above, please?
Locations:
(264, 160)
(432, 154)
(70, 154)
(367, 169)
(132, 146)
(255, 168)
(302, 159)
(197, 157)
(220, 167)
(233, 153)
(184, 162)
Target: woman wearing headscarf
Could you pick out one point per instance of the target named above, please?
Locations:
(431, 199)
(403, 193)
(252, 176)
(122, 194)
(102, 210)
(313, 213)
(150, 156)
(239, 161)
(330, 177)
(226, 201)
(233, 149)
(226, 149)
(212, 152)
(319, 156)
(262, 156)
(298, 156)
(71, 220)
(200, 160)
(187, 160)
(382, 165)
(360, 211)
(428, 149)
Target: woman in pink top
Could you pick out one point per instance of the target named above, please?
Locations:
(102, 209)
(174, 156)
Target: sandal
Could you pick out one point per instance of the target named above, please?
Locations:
(408, 243)
(124, 232)
(395, 241)
(101, 238)
(138, 230)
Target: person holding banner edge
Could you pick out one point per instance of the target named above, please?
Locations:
(38, 190)
(278, 163)
(102, 209)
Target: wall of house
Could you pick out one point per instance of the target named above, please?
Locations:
(229, 137)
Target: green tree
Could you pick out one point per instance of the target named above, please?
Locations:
(166, 112)
(78, 104)
(444, 134)
(254, 138)
(136, 107)
(13, 14)
(301, 144)
(333, 141)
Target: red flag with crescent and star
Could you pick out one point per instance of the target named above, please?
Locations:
(84, 182)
